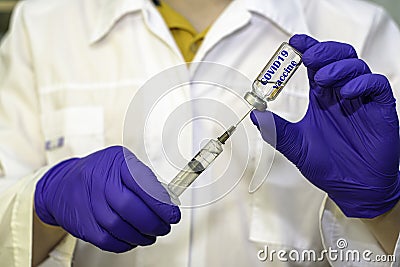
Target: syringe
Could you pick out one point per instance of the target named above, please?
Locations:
(200, 163)
(266, 87)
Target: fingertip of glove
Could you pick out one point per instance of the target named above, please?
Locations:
(376, 86)
(175, 216)
(167, 211)
(302, 42)
(347, 94)
(355, 87)
(326, 77)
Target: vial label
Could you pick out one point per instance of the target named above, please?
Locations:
(277, 72)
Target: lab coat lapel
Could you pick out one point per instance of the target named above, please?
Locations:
(111, 11)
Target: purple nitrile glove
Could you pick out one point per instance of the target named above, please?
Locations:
(98, 200)
(347, 144)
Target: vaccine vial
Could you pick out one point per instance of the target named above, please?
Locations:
(273, 78)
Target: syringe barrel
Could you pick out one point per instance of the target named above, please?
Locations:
(195, 167)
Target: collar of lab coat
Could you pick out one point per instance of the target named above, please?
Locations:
(288, 14)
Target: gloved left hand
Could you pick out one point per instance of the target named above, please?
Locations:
(347, 144)
(108, 198)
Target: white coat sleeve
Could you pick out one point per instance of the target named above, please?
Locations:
(22, 153)
(381, 51)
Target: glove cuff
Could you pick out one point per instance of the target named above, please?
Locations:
(45, 190)
(40, 206)
(375, 205)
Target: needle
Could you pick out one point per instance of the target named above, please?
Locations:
(245, 115)
(225, 136)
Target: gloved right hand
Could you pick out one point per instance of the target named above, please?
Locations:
(347, 144)
(97, 199)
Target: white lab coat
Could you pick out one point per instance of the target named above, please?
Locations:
(68, 71)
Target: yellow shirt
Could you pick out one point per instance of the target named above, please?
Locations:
(185, 35)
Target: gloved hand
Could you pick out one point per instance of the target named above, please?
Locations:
(347, 144)
(96, 199)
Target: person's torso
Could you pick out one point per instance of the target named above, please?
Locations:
(90, 69)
